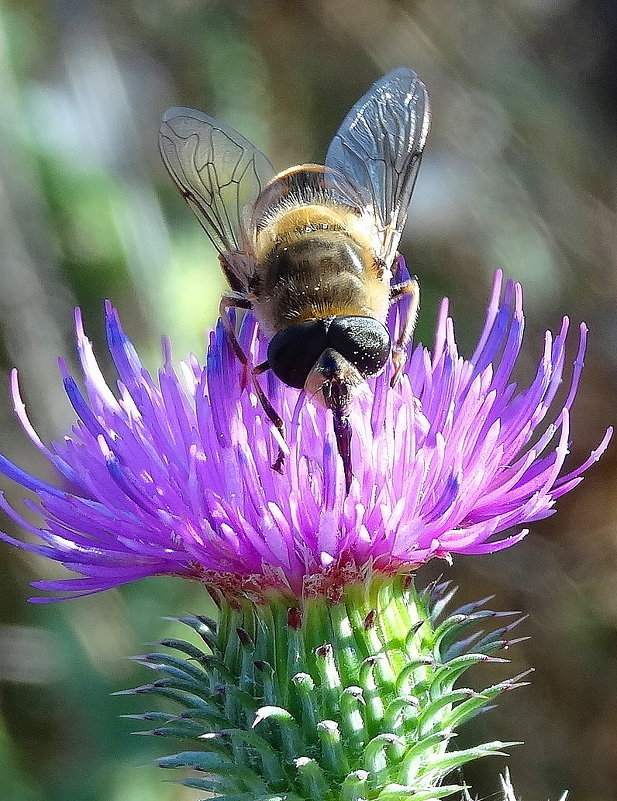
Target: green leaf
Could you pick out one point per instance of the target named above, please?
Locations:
(454, 759)
(400, 792)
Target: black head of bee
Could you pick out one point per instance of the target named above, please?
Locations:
(295, 351)
(362, 341)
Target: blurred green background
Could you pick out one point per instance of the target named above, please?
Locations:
(520, 173)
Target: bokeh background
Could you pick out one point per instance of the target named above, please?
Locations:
(520, 173)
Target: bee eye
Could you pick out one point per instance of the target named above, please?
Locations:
(363, 341)
(293, 351)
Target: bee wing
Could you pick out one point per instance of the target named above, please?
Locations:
(219, 173)
(379, 146)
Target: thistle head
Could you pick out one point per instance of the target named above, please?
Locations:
(171, 474)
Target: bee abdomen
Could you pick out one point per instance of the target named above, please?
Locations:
(315, 275)
(297, 300)
(313, 254)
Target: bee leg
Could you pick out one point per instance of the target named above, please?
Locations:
(235, 301)
(407, 289)
(271, 413)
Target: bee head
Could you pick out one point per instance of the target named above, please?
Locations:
(330, 357)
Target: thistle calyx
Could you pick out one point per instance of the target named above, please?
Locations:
(344, 701)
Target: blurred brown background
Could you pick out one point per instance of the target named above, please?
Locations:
(520, 173)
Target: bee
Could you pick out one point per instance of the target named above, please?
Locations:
(311, 251)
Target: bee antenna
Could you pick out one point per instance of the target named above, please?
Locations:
(298, 408)
(342, 432)
(313, 395)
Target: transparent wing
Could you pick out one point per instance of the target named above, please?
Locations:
(219, 174)
(379, 146)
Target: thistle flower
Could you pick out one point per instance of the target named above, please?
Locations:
(328, 675)
(173, 476)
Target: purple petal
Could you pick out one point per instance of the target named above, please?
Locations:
(172, 474)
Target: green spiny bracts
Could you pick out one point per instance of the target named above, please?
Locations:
(335, 701)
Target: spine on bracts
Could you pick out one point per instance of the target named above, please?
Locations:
(354, 700)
